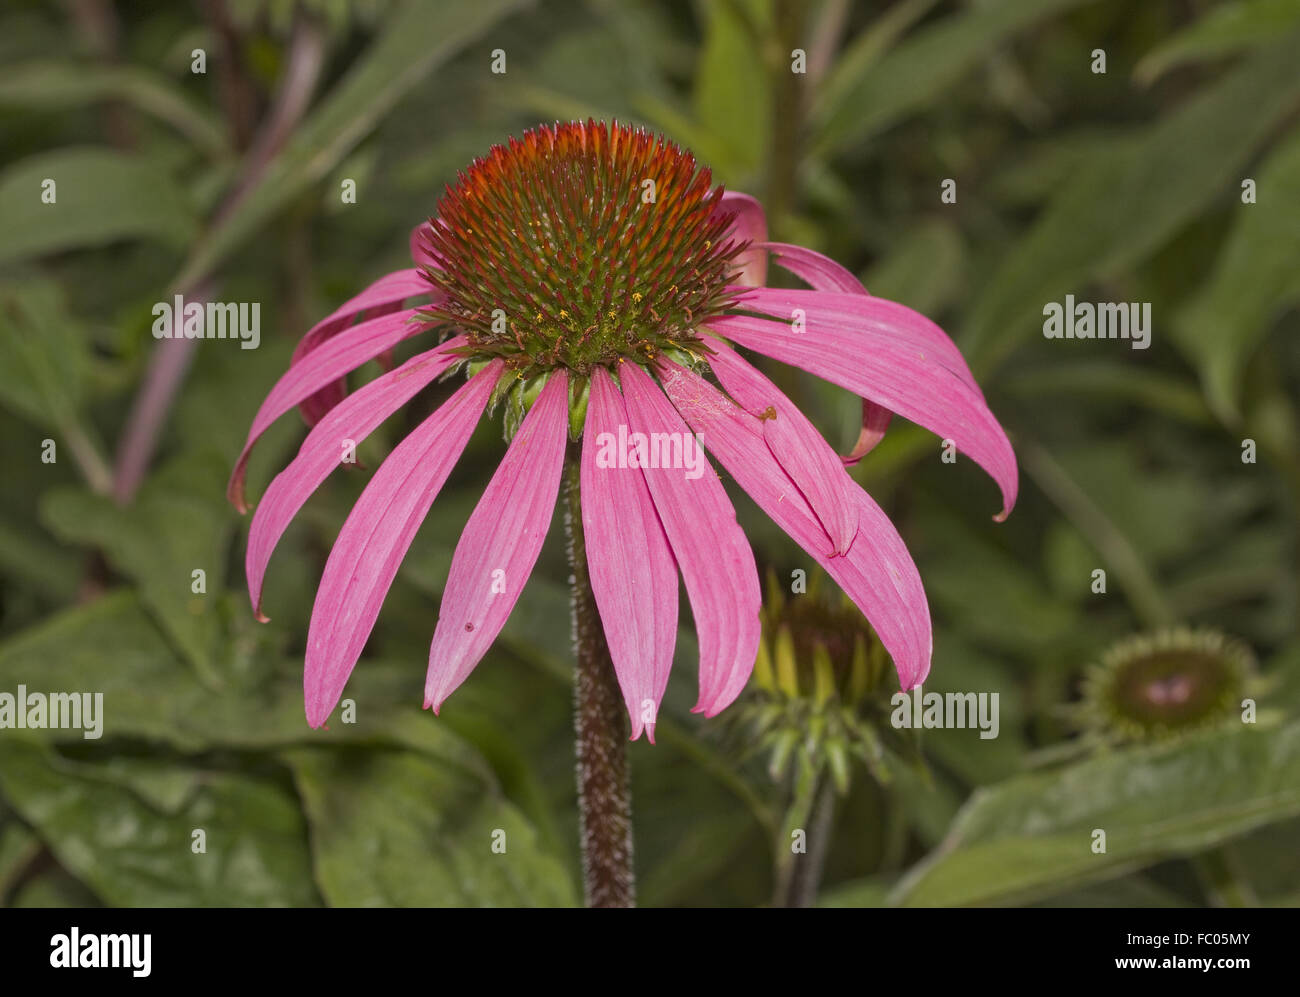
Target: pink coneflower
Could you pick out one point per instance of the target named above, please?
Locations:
(597, 283)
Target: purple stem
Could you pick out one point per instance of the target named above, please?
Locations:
(172, 357)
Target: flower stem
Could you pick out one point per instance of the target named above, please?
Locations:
(812, 806)
(787, 114)
(600, 731)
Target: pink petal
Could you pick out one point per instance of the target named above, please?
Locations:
(352, 420)
(375, 538)
(877, 573)
(875, 421)
(825, 310)
(633, 574)
(880, 577)
(750, 226)
(797, 445)
(711, 549)
(500, 545)
(871, 355)
(421, 252)
(824, 274)
(382, 297)
(820, 272)
(327, 363)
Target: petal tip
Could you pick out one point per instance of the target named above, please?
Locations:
(236, 497)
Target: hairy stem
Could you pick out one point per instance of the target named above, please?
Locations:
(600, 731)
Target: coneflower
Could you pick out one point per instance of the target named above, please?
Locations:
(594, 278)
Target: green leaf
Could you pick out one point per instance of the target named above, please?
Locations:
(133, 854)
(100, 196)
(179, 523)
(422, 34)
(45, 364)
(732, 99)
(1256, 277)
(1221, 31)
(1119, 209)
(921, 69)
(149, 694)
(434, 846)
(852, 65)
(1032, 836)
(44, 355)
(56, 85)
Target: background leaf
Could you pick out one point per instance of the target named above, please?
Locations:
(921, 68)
(1122, 206)
(1033, 834)
(438, 822)
(1251, 284)
(132, 853)
(1225, 29)
(420, 36)
(51, 85)
(101, 196)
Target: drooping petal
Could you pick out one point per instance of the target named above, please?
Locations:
(390, 290)
(375, 537)
(819, 271)
(824, 274)
(750, 226)
(330, 361)
(500, 545)
(633, 574)
(829, 310)
(797, 445)
(865, 354)
(881, 577)
(383, 297)
(326, 446)
(875, 421)
(711, 549)
(878, 574)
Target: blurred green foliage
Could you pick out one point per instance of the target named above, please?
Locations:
(1124, 185)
